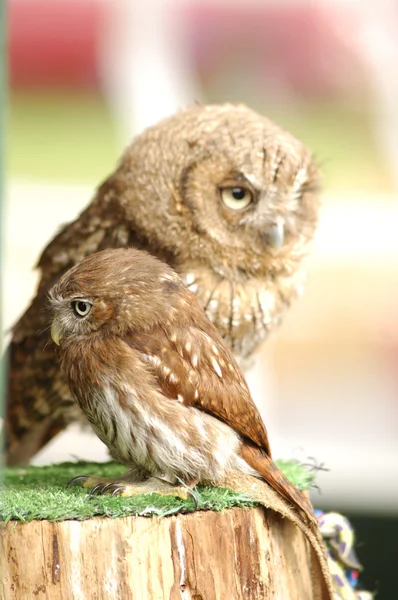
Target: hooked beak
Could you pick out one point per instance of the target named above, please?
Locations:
(56, 332)
(275, 234)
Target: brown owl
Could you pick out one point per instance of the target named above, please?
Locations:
(154, 377)
(221, 194)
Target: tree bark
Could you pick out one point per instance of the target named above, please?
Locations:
(238, 554)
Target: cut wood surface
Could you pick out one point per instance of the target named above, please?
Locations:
(242, 554)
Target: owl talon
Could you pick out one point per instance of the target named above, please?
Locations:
(189, 487)
(112, 487)
(98, 489)
(194, 498)
(76, 479)
(108, 487)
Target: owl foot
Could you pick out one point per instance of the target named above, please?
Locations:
(98, 483)
(153, 485)
(124, 487)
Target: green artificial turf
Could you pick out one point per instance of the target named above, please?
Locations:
(31, 493)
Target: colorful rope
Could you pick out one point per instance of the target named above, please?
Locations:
(343, 562)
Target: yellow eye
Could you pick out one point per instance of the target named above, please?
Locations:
(81, 308)
(237, 198)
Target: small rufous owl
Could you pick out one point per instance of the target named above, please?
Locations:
(154, 377)
(221, 194)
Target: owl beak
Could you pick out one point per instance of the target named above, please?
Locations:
(56, 333)
(275, 234)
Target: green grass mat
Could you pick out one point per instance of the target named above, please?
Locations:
(32, 493)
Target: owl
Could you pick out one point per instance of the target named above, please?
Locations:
(226, 198)
(154, 377)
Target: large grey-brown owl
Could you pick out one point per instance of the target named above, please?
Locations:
(224, 196)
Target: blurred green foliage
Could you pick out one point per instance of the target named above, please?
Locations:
(55, 136)
(72, 137)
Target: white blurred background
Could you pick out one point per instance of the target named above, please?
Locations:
(85, 76)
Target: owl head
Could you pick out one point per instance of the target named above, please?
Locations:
(223, 186)
(113, 291)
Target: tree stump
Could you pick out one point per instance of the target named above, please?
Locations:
(237, 554)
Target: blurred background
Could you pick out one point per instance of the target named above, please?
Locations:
(86, 76)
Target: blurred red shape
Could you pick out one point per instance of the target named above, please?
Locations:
(54, 43)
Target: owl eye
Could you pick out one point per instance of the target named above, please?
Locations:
(237, 198)
(81, 308)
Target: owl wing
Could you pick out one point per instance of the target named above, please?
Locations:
(39, 403)
(196, 368)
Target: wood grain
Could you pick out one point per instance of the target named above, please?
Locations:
(242, 554)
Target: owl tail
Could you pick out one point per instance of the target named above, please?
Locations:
(269, 471)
